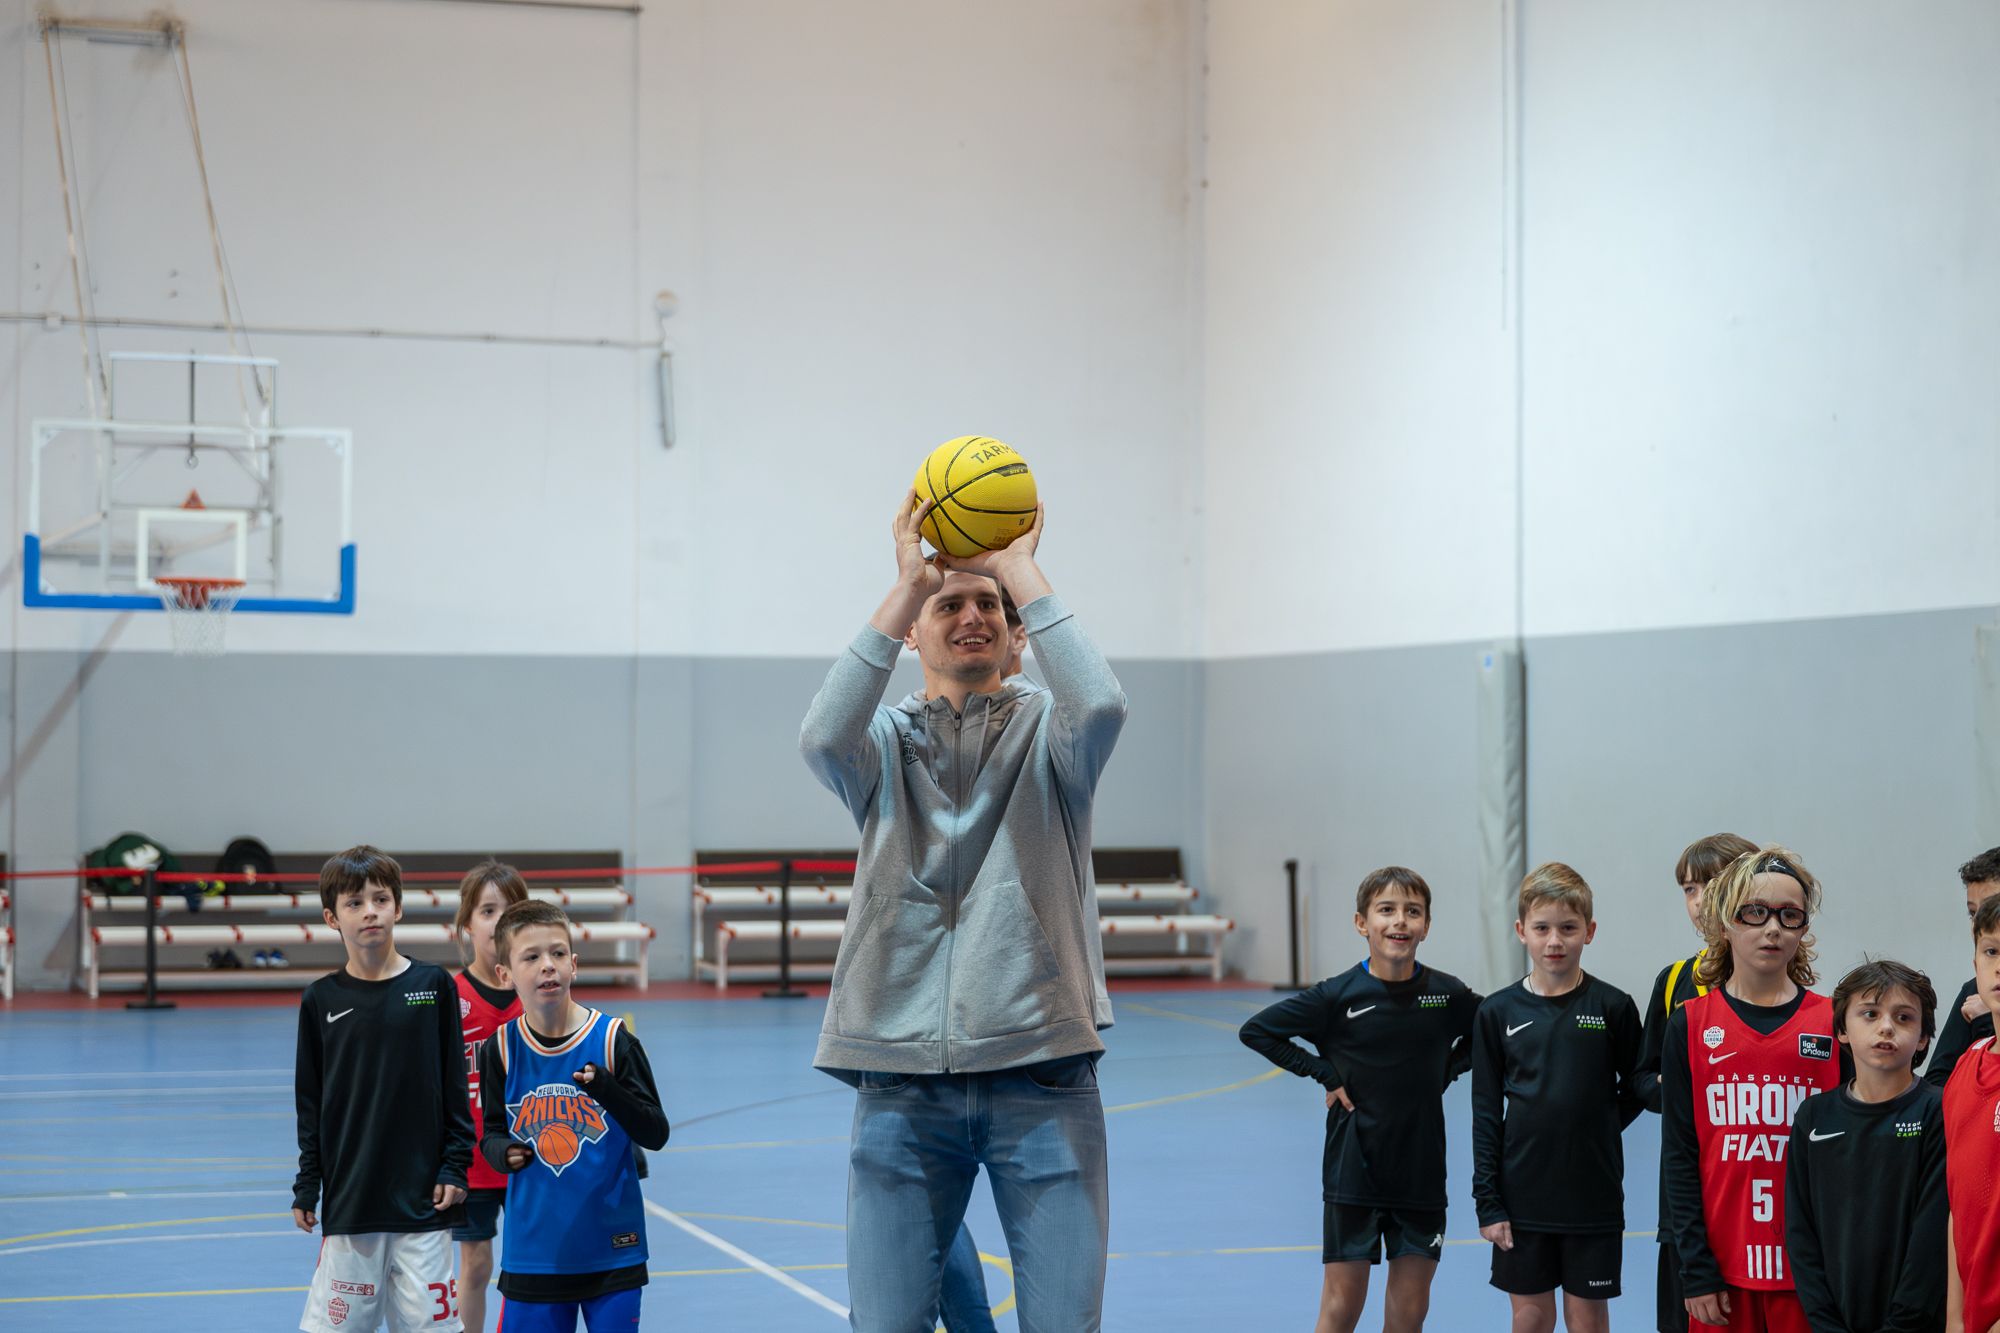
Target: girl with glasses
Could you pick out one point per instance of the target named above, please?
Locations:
(1738, 1062)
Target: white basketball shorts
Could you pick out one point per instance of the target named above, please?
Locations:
(402, 1279)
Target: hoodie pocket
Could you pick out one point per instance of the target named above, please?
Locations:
(883, 989)
(1004, 976)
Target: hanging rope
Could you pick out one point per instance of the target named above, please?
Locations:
(172, 32)
(93, 375)
(231, 308)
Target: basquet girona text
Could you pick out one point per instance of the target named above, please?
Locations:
(1768, 1100)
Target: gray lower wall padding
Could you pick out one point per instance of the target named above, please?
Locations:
(653, 756)
(1986, 733)
(1503, 808)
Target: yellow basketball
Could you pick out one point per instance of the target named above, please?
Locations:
(983, 492)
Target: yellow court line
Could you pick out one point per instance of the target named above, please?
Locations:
(1006, 1266)
(81, 1167)
(755, 1143)
(140, 1226)
(1264, 1077)
(147, 1295)
(997, 1261)
(741, 1272)
(770, 1221)
(120, 1161)
(1134, 1006)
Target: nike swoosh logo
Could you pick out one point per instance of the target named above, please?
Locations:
(1530, 1023)
(335, 1018)
(1351, 1013)
(1818, 1137)
(1728, 1055)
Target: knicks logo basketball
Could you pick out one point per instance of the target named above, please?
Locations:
(557, 1121)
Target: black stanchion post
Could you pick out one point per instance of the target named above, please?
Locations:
(152, 1000)
(783, 990)
(1292, 923)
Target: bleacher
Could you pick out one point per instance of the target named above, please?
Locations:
(611, 946)
(1143, 905)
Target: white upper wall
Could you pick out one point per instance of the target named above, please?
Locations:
(1759, 286)
(927, 220)
(1754, 344)
(1762, 311)
(1357, 466)
(888, 223)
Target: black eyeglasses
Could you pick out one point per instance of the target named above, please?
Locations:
(1756, 914)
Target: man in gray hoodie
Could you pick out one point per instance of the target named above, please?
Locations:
(969, 988)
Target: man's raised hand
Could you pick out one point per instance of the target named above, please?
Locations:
(913, 571)
(991, 563)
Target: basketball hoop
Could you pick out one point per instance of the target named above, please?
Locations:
(197, 612)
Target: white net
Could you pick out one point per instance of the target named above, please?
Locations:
(198, 612)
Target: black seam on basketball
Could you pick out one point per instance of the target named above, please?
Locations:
(970, 441)
(931, 482)
(975, 509)
(962, 532)
(938, 502)
(952, 494)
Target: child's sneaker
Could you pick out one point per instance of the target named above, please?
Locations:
(260, 959)
(229, 959)
(277, 958)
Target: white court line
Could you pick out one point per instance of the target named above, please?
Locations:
(149, 1073)
(69, 1094)
(741, 1256)
(144, 1240)
(135, 1196)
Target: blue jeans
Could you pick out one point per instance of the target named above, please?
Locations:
(919, 1141)
(963, 1305)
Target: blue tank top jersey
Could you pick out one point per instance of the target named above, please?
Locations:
(576, 1208)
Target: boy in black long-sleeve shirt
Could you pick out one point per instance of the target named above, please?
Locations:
(1554, 1063)
(385, 1129)
(1878, 1268)
(1388, 1037)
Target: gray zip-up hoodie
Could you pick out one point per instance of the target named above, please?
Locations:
(972, 940)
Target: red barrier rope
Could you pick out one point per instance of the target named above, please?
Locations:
(414, 877)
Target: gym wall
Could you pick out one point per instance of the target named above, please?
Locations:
(886, 224)
(1695, 304)
(1346, 338)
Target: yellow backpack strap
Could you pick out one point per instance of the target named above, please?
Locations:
(610, 1044)
(1673, 980)
(501, 1037)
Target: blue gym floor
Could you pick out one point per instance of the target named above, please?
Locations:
(145, 1179)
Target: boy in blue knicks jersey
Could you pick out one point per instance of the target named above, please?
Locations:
(1388, 1037)
(575, 1094)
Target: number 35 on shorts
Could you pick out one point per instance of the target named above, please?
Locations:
(402, 1280)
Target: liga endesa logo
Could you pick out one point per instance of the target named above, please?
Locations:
(558, 1120)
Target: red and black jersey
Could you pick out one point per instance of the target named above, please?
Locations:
(1743, 1088)
(1972, 1178)
(482, 1010)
